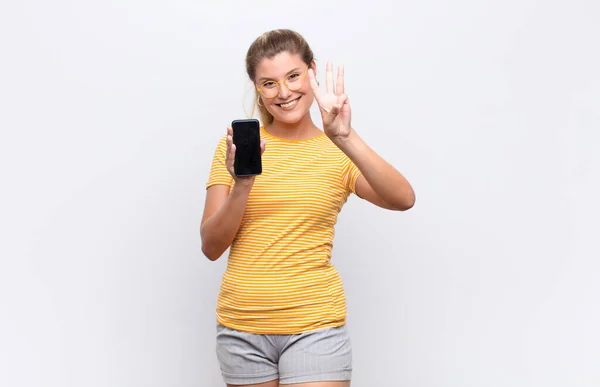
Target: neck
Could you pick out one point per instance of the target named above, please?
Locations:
(301, 130)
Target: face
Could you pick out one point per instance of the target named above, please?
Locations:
(288, 106)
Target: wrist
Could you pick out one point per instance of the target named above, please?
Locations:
(345, 142)
(243, 186)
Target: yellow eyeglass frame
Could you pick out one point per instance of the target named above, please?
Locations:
(284, 81)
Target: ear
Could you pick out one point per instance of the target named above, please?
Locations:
(313, 66)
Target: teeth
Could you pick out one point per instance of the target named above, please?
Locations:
(289, 104)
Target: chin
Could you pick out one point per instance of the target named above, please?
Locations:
(290, 118)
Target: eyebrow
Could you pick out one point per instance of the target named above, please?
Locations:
(288, 73)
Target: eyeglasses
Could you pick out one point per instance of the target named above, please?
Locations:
(293, 82)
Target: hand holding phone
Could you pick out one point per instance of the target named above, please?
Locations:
(245, 148)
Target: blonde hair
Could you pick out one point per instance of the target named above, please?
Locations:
(268, 45)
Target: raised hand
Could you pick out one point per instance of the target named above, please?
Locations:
(333, 103)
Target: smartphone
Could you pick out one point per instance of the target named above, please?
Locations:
(246, 137)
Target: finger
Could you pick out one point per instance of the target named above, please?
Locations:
(339, 86)
(339, 103)
(332, 114)
(263, 146)
(316, 90)
(230, 151)
(329, 78)
(313, 84)
(330, 117)
(346, 105)
(232, 156)
(228, 142)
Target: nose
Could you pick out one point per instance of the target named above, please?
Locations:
(284, 92)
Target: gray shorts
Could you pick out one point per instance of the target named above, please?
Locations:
(320, 355)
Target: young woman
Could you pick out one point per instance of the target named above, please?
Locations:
(281, 309)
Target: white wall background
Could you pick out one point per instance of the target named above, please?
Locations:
(110, 112)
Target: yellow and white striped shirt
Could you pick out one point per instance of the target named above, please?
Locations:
(279, 278)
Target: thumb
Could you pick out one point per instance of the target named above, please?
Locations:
(330, 117)
(263, 146)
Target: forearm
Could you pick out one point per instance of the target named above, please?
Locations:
(218, 231)
(391, 186)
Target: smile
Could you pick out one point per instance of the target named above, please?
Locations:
(288, 104)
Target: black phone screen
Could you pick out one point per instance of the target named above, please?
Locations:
(246, 137)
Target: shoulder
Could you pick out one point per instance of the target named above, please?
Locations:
(222, 141)
(221, 144)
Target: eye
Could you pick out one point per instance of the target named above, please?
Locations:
(293, 76)
(269, 85)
